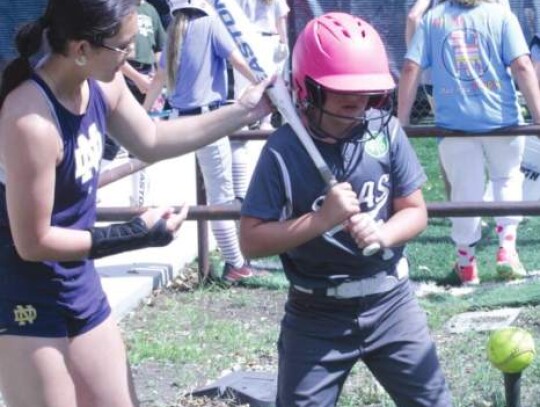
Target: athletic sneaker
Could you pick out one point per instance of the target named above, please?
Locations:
(468, 275)
(508, 265)
(233, 275)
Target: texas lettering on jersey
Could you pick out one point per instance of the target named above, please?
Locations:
(374, 194)
(88, 154)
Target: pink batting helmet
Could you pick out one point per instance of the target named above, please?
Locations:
(343, 53)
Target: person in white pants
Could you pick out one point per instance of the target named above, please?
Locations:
(194, 68)
(468, 45)
(414, 15)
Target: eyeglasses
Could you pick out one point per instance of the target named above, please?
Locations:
(126, 50)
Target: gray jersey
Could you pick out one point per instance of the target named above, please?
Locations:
(287, 185)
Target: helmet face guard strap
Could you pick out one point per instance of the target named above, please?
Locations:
(359, 130)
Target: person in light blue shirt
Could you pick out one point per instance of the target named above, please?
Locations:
(468, 53)
(468, 45)
(194, 69)
(414, 16)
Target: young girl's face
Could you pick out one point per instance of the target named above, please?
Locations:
(350, 108)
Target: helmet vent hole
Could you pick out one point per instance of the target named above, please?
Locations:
(346, 33)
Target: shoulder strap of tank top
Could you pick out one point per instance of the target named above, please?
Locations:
(49, 97)
(97, 95)
(47, 94)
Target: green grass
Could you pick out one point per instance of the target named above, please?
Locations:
(432, 254)
(201, 334)
(212, 330)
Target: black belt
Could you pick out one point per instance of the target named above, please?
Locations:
(199, 110)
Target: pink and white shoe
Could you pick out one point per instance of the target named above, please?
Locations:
(233, 275)
(509, 266)
(468, 275)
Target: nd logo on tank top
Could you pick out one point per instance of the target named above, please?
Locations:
(88, 154)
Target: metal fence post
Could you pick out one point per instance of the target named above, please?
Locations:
(202, 229)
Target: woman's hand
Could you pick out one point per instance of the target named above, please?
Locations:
(254, 100)
(173, 221)
(143, 83)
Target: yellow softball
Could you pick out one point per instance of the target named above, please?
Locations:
(511, 349)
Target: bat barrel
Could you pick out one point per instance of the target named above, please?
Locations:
(512, 389)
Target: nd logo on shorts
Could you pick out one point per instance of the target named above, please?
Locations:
(377, 147)
(24, 314)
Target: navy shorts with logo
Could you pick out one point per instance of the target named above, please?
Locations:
(30, 295)
(49, 320)
(322, 338)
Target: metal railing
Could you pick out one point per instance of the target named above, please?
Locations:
(202, 213)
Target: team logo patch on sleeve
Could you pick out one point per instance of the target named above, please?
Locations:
(377, 147)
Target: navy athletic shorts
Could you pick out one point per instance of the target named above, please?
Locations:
(34, 300)
(27, 318)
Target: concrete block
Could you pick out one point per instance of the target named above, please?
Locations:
(482, 320)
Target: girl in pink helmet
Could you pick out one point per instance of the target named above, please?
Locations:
(344, 306)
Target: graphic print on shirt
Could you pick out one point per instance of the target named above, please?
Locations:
(464, 61)
(373, 196)
(145, 26)
(88, 154)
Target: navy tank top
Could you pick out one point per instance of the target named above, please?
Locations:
(75, 286)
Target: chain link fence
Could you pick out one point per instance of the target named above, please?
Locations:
(421, 112)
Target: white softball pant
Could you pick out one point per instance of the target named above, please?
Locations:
(465, 160)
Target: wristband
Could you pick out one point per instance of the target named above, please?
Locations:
(132, 235)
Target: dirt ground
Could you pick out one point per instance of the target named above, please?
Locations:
(164, 385)
(160, 384)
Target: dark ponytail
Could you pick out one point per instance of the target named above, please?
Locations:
(28, 43)
(65, 20)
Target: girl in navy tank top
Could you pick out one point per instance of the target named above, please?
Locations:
(59, 345)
